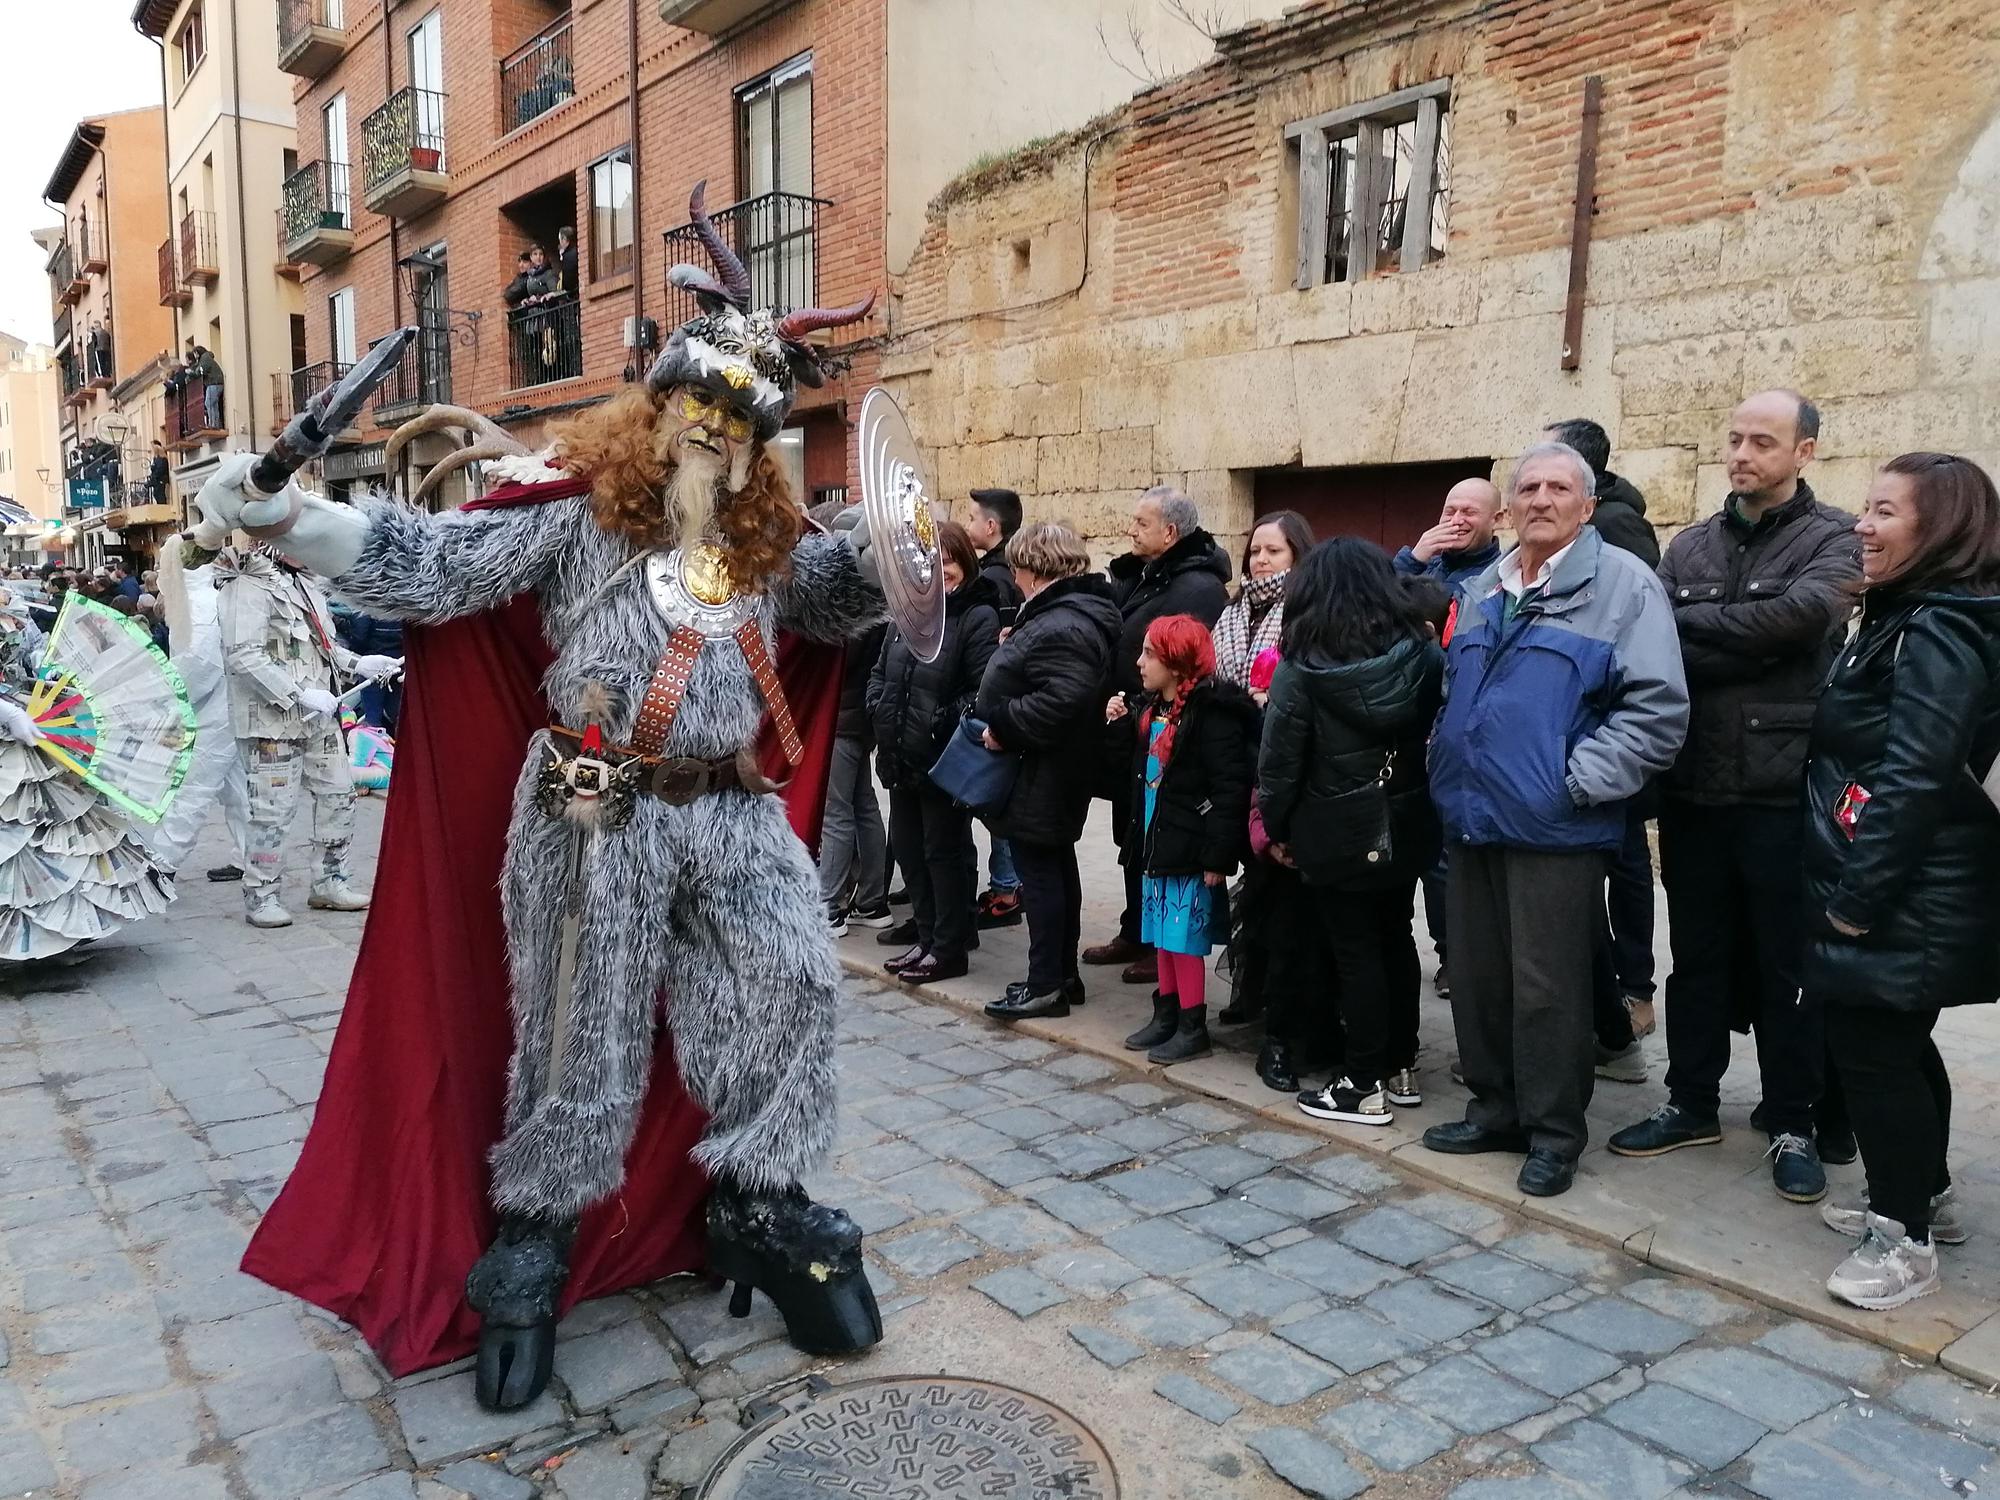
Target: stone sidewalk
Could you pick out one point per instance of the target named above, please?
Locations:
(1234, 1309)
(1708, 1212)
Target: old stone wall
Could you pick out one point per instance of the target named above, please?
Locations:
(1789, 193)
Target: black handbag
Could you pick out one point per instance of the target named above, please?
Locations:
(1346, 835)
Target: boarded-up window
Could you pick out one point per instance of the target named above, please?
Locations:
(1374, 186)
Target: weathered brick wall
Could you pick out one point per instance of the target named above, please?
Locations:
(687, 116)
(1788, 193)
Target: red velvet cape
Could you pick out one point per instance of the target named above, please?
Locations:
(387, 1208)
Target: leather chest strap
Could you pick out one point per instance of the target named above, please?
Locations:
(664, 693)
(750, 640)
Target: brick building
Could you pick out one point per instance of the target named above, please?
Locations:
(108, 321)
(1785, 194)
(438, 139)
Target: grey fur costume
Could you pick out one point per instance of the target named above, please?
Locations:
(716, 904)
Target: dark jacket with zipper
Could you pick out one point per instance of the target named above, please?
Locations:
(1043, 698)
(915, 705)
(994, 569)
(1329, 728)
(1189, 578)
(1911, 713)
(1761, 611)
(857, 669)
(1201, 808)
(1620, 518)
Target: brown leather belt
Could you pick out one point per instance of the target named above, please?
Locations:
(675, 780)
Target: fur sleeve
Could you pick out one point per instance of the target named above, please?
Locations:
(827, 597)
(420, 566)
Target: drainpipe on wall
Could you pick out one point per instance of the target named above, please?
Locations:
(167, 167)
(242, 225)
(639, 356)
(395, 239)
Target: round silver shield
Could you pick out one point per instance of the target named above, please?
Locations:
(896, 500)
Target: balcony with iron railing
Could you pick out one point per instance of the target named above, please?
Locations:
(194, 415)
(74, 390)
(319, 216)
(544, 343)
(422, 377)
(93, 258)
(776, 236)
(94, 354)
(173, 291)
(65, 329)
(402, 154)
(537, 76)
(312, 34)
(198, 259)
(64, 279)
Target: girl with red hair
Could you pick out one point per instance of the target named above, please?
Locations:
(1194, 762)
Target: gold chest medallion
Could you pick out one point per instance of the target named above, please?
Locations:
(691, 587)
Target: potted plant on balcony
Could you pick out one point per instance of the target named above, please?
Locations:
(425, 158)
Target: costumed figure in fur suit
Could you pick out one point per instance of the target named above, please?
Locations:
(651, 881)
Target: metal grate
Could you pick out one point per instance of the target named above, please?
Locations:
(537, 76)
(406, 132)
(776, 236)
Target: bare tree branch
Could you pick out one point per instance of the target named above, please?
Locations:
(1148, 71)
(1212, 21)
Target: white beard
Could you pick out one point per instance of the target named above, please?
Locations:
(692, 494)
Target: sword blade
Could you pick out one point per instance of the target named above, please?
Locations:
(313, 429)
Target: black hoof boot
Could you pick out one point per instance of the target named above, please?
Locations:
(513, 1287)
(1275, 1067)
(804, 1256)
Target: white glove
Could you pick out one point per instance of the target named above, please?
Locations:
(378, 668)
(226, 502)
(319, 701)
(15, 724)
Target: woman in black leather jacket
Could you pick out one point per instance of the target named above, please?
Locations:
(1353, 702)
(1903, 851)
(914, 707)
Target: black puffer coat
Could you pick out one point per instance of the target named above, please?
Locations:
(1328, 729)
(1761, 610)
(1620, 518)
(915, 705)
(994, 569)
(1201, 814)
(1043, 696)
(1912, 714)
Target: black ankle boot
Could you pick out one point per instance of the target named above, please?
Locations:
(1275, 1067)
(804, 1256)
(513, 1287)
(1166, 1017)
(1190, 1038)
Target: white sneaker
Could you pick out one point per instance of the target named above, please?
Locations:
(1886, 1270)
(1341, 1100)
(1946, 1226)
(836, 921)
(1401, 1087)
(336, 895)
(266, 910)
(1626, 1066)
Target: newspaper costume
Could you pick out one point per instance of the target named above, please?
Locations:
(283, 659)
(216, 774)
(71, 868)
(644, 856)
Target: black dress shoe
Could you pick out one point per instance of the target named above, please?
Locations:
(904, 961)
(1463, 1138)
(901, 935)
(932, 967)
(1545, 1174)
(223, 873)
(1025, 1005)
(1836, 1147)
(1667, 1128)
(1274, 1066)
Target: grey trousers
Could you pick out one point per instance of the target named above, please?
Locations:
(1521, 928)
(852, 844)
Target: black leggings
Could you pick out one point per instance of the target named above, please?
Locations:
(1900, 1100)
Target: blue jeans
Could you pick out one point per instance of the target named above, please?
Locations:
(1000, 872)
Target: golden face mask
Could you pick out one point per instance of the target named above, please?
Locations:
(716, 416)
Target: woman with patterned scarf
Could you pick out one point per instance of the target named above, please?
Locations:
(1251, 624)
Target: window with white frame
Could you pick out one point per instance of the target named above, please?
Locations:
(340, 328)
(192, 43)
(1374, 185)
(611, 214)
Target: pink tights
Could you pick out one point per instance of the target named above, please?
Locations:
(1184, 975)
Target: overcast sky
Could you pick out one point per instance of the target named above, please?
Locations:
(64, 60)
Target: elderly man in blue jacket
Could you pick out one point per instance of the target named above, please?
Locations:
(1564, 696)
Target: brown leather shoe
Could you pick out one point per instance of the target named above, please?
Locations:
(1119, 950)
(1145, 969)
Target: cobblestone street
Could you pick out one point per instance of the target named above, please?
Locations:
(1234, 1309)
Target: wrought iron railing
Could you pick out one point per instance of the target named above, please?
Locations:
(63, 327)
(190, 413)
(296, 17)
(776, 236)
(89, 252)
(96, 354)
(172, 291)
(544, 343)
(62, 268)
(198, 256)
(316, 197)
(422, 377)
(406, 132)
(72, 373)
(308, 381)
(537, 76)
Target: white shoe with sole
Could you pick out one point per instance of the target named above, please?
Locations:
(1946, 1227)
(1342, 1101)
(1626, 1066)
(336, 895)
(266, 910)
(1886, 1270)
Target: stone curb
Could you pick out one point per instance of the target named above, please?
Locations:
(1973, 1353)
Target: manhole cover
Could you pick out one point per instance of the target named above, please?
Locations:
(918, 1439)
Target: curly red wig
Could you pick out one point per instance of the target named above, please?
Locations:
(627, 452)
